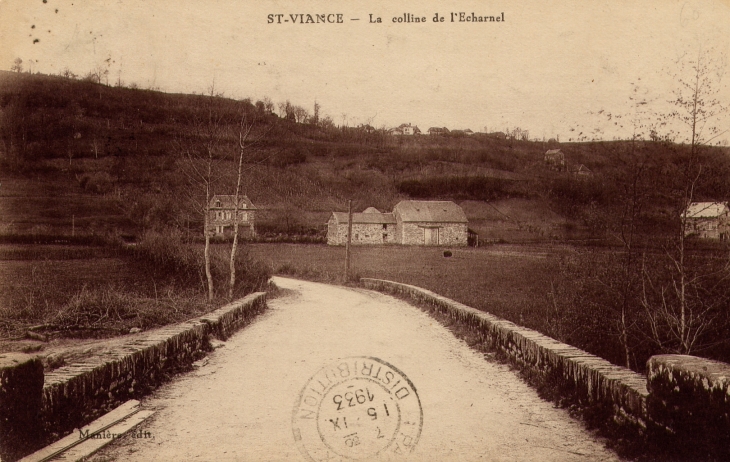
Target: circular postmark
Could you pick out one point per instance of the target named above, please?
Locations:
(358, 408)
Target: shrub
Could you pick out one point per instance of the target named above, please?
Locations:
(97, 182)
(165, 257)
(251, 275)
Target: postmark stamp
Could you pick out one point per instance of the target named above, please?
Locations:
(357, 408)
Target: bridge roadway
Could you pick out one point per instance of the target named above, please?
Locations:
(240, 405)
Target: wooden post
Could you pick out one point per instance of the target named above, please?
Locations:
(349, 240)
(73, 225)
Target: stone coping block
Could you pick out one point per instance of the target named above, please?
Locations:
(21, 383)
(691, 396)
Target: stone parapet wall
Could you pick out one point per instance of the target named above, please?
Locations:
(590, 379)
(229, 318)
(682, 406)
(76, 394)
(73, 395)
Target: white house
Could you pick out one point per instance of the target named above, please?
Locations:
(710, 220)
(222, 209)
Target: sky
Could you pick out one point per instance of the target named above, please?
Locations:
(550, 67)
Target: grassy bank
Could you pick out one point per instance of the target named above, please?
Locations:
(101, 291)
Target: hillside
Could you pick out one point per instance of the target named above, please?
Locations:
(84, 158)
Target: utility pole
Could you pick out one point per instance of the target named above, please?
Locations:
(349, 240)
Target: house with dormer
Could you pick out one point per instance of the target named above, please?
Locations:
(405, 129)
(222, 215)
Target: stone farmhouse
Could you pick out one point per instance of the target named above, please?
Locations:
(438, 131)
(222, 209)
(709, 220)
(410, 223)
(405, 129)
(555, 159)
(369, 227)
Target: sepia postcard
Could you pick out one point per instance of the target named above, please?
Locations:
(418, 230)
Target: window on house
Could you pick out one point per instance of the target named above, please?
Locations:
(217, 203)
(385, 226)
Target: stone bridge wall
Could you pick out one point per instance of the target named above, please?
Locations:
(685, 402)
(74, 395)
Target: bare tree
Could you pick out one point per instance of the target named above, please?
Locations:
(95, 147)
(315, 116)
(199, 152)
(285, 109)
(66, 72)
(268, 105)
(300, 114)
(682, 298)
(17, 65)
(695, 100)
(635, 187)
(244, 133)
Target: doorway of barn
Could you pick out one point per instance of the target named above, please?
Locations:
(431, 236)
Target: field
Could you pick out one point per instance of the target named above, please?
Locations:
(48, 278)
(509, 281)
(563, 291)
(56, 292)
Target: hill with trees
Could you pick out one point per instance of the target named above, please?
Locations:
(84, 157)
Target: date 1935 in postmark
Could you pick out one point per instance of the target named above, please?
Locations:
(358, 408)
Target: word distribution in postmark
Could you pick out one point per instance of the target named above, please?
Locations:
(358, 408)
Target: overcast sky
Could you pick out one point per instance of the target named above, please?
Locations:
(543, 69)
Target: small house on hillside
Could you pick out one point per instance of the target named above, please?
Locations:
(405, 129)
(710, 220)
(367, 128)
(221, 218)
(369, 227)
(438, 131)
(410, 223)
(581, 171)
(555, 159)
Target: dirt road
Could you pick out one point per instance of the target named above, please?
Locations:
(245, 402)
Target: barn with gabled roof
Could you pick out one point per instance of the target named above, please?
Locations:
(410, 223)
(430, 223)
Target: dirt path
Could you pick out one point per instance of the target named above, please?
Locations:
(239, 406)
